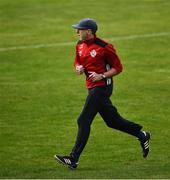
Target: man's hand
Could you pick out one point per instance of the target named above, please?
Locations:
(94, 76)
(79, 69)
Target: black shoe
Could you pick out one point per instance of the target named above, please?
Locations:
(144, 141)
(67, 160)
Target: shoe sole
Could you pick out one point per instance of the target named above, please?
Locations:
(61, 162)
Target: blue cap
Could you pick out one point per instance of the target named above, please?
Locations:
(86, 23)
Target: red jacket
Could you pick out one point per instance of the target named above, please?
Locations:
(98, 56)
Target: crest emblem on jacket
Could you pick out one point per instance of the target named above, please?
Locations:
(93, 53)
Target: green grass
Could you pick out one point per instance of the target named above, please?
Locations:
(41, 97)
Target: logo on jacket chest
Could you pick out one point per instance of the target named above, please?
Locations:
(93, 53)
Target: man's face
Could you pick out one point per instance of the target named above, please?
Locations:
(83, 34)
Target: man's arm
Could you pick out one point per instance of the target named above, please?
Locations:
(78, 67)
(112, 72)
(113, 59)
(97, 77)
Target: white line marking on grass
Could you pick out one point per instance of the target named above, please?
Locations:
(60, 44)
(140, 36)
(162, 70)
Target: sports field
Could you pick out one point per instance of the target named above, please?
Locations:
(41, 97)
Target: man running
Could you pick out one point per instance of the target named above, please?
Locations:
(99, 62)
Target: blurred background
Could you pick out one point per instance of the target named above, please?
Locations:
(41, 97)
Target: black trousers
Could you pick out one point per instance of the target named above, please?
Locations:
(98, 101)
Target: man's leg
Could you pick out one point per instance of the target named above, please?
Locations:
(114, 120)
(91, 107)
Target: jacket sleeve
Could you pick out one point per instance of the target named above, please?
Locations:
(76, 58)
(112, 58)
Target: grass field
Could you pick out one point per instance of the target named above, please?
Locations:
(41, 97)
